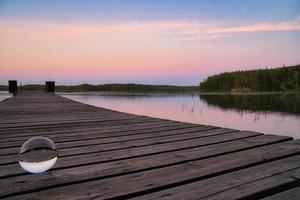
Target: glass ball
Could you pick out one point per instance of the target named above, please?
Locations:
(38, 155)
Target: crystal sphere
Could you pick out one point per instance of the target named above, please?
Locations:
(38, 155)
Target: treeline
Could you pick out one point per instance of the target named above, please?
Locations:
(126, 88)
(111, 87)
(276, 79)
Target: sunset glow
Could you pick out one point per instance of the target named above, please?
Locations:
(127, 46)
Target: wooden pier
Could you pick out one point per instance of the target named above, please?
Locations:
(105, 154)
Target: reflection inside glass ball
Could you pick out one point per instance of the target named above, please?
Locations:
(38, 155)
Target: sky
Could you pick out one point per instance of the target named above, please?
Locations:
(178, 42)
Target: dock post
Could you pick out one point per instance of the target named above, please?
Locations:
(12, 86)
(50, 86)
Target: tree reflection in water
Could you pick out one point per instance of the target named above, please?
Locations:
(263, 104)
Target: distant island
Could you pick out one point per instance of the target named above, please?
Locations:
(275, 79)
(129, 87)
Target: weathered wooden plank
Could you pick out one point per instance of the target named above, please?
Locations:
(291, 194)
(182, 132)
(138, 183)
(81, 111)
(154, 132)
(42, 104)
(69, 134)
(9, 155)
(249, 183)
(88, 155)
(95, 135)
(264, 186)
(12, 117)
(62, 123)
(54, 118)
(207, 137)
(69, 175)
(77, 127)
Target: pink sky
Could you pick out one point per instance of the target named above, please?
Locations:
(33, 50)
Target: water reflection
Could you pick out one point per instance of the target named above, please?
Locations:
(273, 114)
(282, 103)
(4, 95)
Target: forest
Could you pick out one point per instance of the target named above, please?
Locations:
(286, 78)
(130, 87)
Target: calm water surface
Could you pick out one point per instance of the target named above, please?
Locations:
(273, 114)
(4, 95)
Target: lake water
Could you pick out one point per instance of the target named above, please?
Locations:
(4, 95)
(272, 114)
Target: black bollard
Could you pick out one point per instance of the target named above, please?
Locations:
(50, 86)
(12, 86)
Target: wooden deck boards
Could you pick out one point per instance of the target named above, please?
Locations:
(105, 154)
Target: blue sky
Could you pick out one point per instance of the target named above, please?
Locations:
(122, 10)
(145, 41)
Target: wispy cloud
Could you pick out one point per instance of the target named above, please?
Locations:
(197, 32)
(173, 30)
